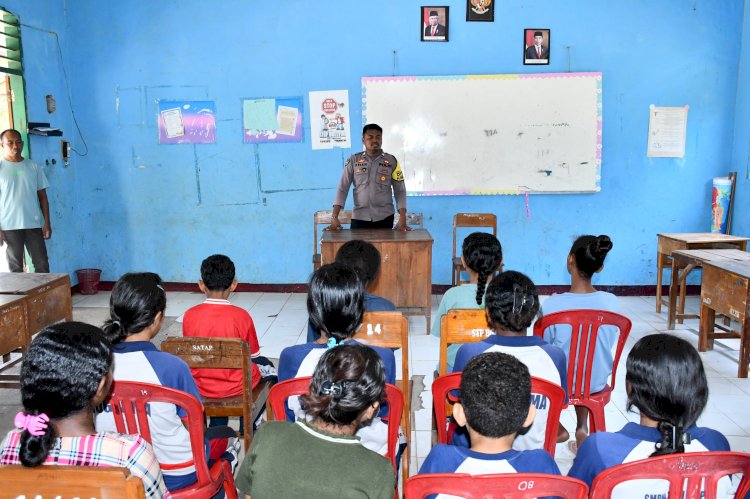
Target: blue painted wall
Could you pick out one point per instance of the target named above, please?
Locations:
(741, 150)
(44, 46)
(139, 205)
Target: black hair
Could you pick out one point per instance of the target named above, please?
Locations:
(336, 300)
(217, 272)
(363, 257)
(347, 380)
(483, 254)
(136, 299)
(589, 253)
(60, 375)
(667, 384)
(371, 126)
(496, 394)
(9, 130)
(511, 301)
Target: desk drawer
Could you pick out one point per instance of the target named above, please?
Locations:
(725, 292)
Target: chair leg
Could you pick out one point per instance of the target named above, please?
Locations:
(596, 419)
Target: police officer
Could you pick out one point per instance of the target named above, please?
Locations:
(375, 174)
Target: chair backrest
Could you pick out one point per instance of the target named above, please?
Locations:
(502, 486)
(442, 399)
(684, 472)
(218, 353)
(280, 392)
(129, 401)
(68, 482)
(473, 220)
(323, 217)
(387, 330)
(585, 324)
(461, 325)
(412, 219)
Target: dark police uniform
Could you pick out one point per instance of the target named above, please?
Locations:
(376, 179)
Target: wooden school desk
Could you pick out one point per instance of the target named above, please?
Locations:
(405, 276)
(725, 290)
(688, 260)
(667, 243)
(14, 336)
(48, 296)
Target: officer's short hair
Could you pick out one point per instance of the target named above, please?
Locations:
(371, 126)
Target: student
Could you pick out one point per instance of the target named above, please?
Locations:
(335, 303)
(511, 303)
(65, 374)
(321, 457)
(495, 406)
(585, 259)
(666, 382)
(364, 258)
(482, 256)
(217, 318)
(136, 311)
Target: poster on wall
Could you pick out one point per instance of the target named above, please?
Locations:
(272, 120)
(329, 119)
(187, 122)
(667, 127)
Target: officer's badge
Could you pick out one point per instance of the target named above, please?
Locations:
(397, 174)
(382, 178)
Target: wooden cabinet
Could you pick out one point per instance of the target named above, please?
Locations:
(406, 265)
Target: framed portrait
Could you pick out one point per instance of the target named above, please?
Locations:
(536, 44)
(434, 24)
(480, 11)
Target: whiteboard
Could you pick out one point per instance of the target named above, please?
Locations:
(491, 134)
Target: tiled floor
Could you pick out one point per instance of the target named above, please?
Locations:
(280, 320)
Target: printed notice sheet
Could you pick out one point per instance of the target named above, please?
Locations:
(667, 127)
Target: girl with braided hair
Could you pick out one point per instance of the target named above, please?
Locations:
(320, 456)
(482, 256)
(511, 304)
(666, 382)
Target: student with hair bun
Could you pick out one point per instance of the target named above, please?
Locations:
(482, 256)
(320, 457)
(136, 310)
(65, 374)
(511, 304)
(666, 382)
(585, 259)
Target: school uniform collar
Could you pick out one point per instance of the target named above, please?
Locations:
(647, 433)
(216, 301)
(134, 346)
(329, 437)
(507, 455)
(516, 341)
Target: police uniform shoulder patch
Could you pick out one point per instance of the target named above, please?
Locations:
(397, 174)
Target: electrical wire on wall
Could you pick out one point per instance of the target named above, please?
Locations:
(67, 86)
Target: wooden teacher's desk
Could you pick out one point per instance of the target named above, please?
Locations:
(725, 290)
(406, 264)
(28, 303)
(687, 260)
(667, 243)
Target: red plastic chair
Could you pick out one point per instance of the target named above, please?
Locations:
(506, 486)
(128, 401)
(682, 471)
(441, 397)
(586, 324)
(280, 392)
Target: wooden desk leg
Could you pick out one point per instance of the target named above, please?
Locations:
(706, 328)
(683, 291)
(744, 349)
(673, 285)
(659, 268)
